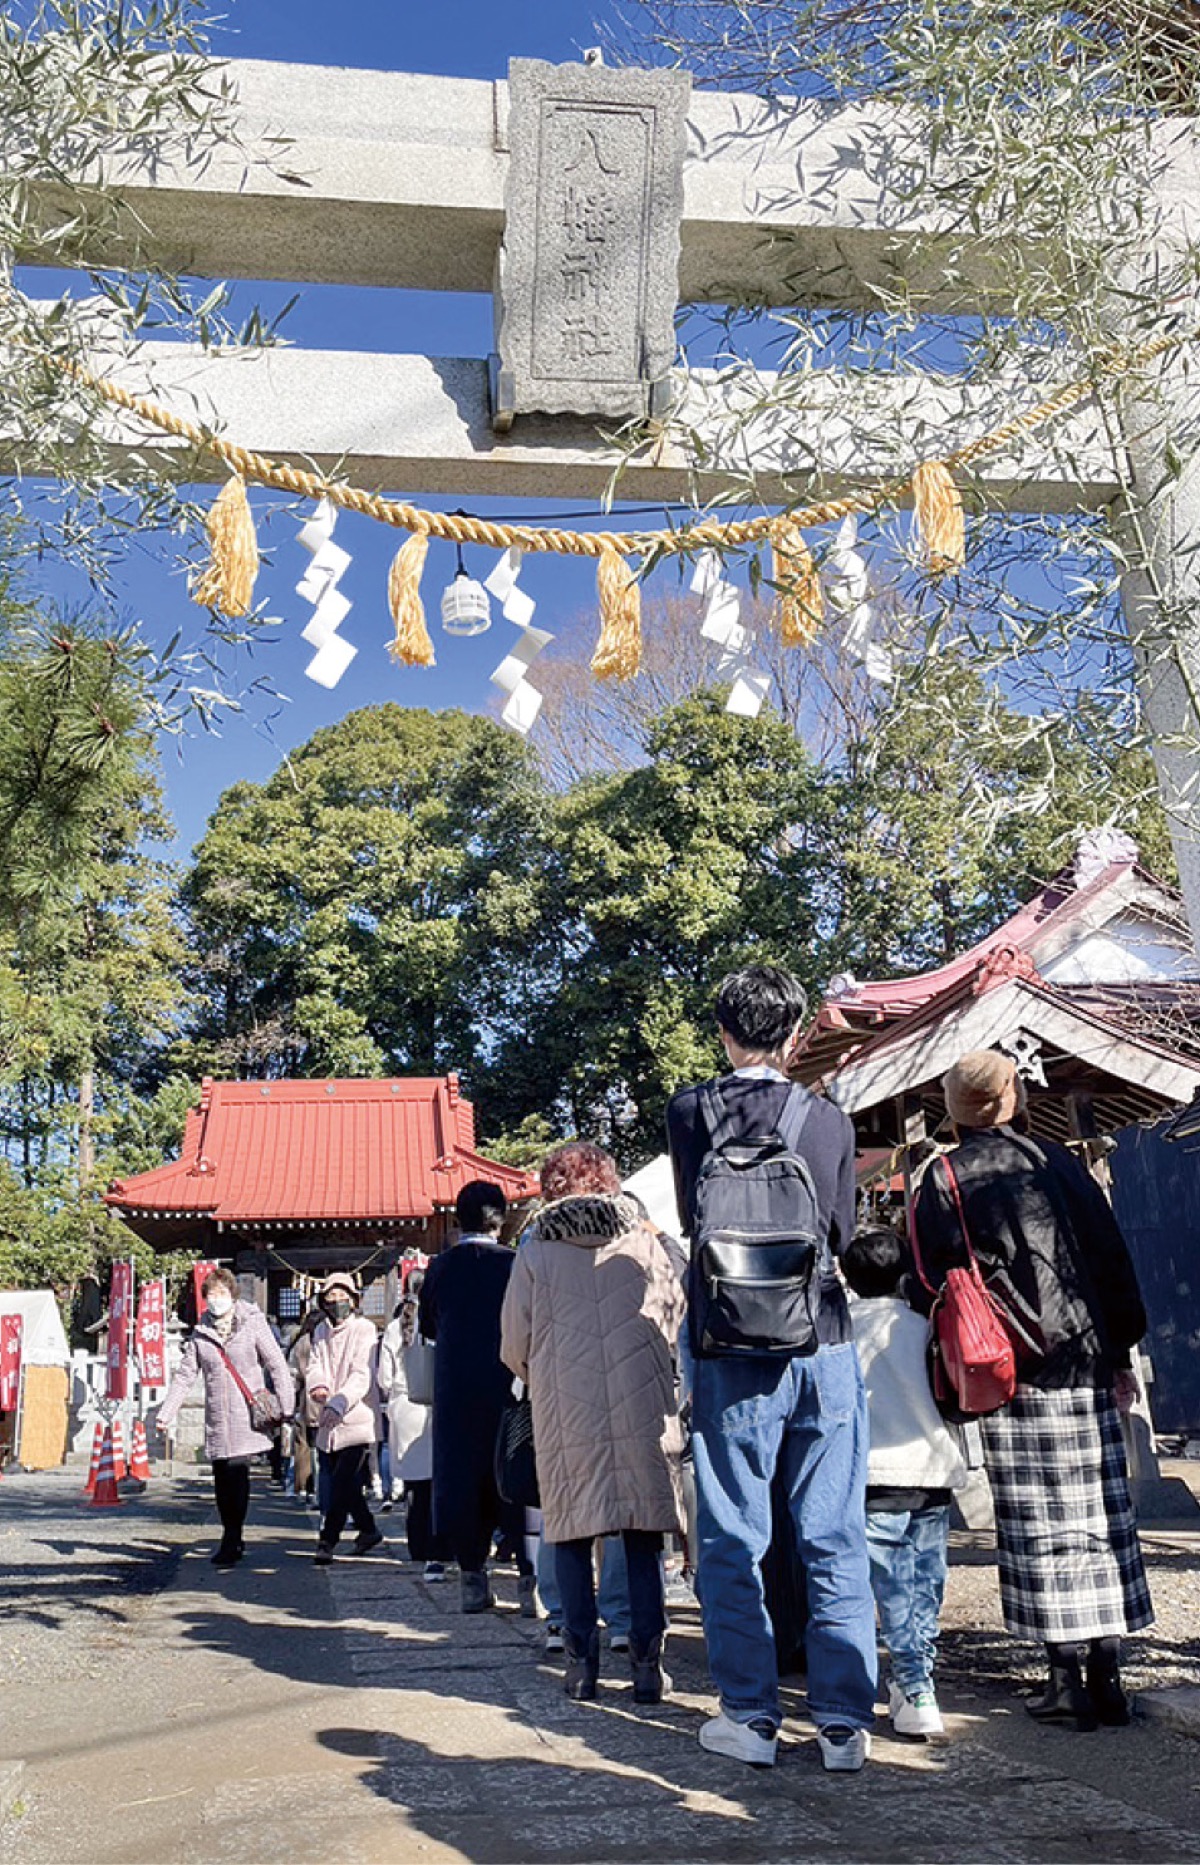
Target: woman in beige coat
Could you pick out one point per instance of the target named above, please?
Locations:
(590, 1320)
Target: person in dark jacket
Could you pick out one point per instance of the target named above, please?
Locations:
(803, 1414)
(459, 1311)
(1052, 1254)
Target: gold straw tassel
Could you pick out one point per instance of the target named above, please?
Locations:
(412, 645)
(939, 517)
(227, 582)
(801, 605)
(619, 650)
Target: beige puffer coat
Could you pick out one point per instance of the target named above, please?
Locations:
(593, 1309)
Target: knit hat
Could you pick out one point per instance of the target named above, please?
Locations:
(339, 1280)
(976, 1088)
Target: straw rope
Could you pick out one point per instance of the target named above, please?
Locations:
(459, 529)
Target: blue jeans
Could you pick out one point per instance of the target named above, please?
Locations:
(908, 1575)
(808, 1416)
(644, 1592)
(613, 1593)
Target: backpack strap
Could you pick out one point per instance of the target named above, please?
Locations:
(717, 1117)
(790, 1124)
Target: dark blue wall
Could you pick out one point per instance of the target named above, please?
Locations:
(1156, 1195)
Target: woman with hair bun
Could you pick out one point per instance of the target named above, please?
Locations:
(590, 1320)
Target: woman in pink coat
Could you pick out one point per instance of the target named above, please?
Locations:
(341, 1381)
(231, 1337)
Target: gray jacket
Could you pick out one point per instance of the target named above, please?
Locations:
(254, 1351)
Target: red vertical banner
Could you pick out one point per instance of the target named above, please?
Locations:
(200, 1274)
(11, 1329)
(150, 1343)
(120, 1314)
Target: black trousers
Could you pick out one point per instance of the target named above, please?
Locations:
(577, 1584)
(231, 1481)
(423, 1544)
(473, 1526)
(349, 1469)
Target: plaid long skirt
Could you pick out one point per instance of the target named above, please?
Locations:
(1070, 1563)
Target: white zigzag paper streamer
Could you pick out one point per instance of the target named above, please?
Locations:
(524, 702)
(319, 585)
(850, 591)
(723, 624)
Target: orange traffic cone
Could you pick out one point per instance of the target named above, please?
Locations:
(139, 1456)
(120, 1468)
(106, 1495)
(94, 1466)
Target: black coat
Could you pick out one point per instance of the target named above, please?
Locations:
(460, 1305)
(1050, 1250)
(826, 1144)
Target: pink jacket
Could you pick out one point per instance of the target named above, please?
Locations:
(344, 1360)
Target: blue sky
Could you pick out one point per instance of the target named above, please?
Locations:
(462, 38)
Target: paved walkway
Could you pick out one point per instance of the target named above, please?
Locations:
(165, 1713)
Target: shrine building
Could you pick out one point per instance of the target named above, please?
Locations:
(287, 1180)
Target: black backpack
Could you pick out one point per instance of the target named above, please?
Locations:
(755, 1238)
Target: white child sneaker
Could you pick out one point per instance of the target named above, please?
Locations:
(917, 1714)
(754, 1742)
(843, 1750)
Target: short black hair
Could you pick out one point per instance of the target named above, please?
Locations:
(760, 1005)
(875, 1261)
(481, 1206)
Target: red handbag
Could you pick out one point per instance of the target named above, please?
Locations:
(974, 1363)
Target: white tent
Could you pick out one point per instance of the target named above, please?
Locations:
(43, 1337)
(654, 1184)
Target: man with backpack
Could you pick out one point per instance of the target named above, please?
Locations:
(764, 1175)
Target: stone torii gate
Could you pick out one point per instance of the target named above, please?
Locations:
(400, 180)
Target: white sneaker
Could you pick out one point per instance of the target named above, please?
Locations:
(843, 1749)
(917, 1714)
(435, 1571)
(747, 1742)
(554, 1637)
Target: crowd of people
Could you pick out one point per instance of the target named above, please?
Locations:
(768, 1377)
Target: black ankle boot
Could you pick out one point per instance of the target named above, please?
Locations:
(1104, 1683)
(650, 1681)
(1066, 1703)
(583, 1667)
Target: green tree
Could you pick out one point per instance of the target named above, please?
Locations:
(375, 906)
(89, 949)
(954, 809)
(706, 857)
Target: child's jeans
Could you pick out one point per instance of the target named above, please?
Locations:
(908, 1579)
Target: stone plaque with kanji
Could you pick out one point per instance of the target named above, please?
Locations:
(589, 270)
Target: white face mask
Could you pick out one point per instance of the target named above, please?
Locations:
(219, 1305)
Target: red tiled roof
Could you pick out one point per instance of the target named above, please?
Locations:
(320, 1152)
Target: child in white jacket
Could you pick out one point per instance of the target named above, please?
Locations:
(914, 1464)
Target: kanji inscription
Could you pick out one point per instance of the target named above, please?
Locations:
(588, 281)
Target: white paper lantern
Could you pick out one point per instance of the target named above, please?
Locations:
(466, 609)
